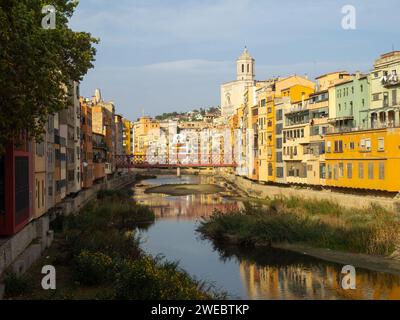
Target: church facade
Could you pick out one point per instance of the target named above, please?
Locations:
(232, 92)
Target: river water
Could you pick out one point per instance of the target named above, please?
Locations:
(244, 273)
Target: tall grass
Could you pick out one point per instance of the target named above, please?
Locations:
(101, 251)
(317, 223)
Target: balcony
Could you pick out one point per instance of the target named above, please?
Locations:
(390, 81)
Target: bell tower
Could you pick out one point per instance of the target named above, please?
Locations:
(245, 67)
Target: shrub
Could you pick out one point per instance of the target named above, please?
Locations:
(93, 268)
(15, 285)
(154, 279)
(326, 224)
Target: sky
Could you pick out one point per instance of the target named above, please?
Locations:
(160, 56)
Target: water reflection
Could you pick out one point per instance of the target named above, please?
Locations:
(277, 274)
(183, 207)
(247, 273)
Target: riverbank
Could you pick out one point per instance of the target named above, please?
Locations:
(21, 250)
(97, 255)
(358, 260)
(323, 229)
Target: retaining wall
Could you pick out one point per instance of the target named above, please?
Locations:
(261, 191)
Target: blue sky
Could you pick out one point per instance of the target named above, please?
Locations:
(172, 55)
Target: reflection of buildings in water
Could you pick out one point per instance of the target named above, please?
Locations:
(199, 205)
(316, 282)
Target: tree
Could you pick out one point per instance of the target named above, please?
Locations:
(36, 64)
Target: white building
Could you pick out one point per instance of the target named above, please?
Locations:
(232, 92)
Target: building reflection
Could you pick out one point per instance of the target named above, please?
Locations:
(315, 282)
(185, 207)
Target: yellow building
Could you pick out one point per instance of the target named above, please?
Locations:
(147, 131)
(126, 136)
(273, 99)
(368, 159)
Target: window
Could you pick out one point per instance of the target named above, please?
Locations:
(40, 149)
(371, 170)
(335, 172)
(361, 170)
(381, 171)
(376, 96)
(351, 145)
(43, 193)
(279, 128)
(270, 169)
(322, 171)
(279, 143)
(368, 144)
(349, 171)
(341, 170)
(381, 144)
(328, 146)
(329, 172)
(339, 146)
(279, 115)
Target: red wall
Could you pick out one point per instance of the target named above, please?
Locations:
(18, 178)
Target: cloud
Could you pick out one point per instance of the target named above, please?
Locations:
(164, 55)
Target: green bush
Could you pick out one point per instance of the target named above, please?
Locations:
(153, 279)
(15, 285)
(325, 224)
(92, 268)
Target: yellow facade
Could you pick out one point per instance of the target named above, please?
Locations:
(126, 136)
(147, 130)
(262, 135)
(368, 159)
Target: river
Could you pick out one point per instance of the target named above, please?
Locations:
(266, 274)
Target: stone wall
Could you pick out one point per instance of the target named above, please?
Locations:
(261, 191)
(20, 251)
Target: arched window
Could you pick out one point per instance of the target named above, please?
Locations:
(242, 68)
(248, 68)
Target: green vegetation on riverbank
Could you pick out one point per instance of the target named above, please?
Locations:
(97, 255)
(317, 223)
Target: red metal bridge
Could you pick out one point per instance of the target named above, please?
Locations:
(180, 161)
